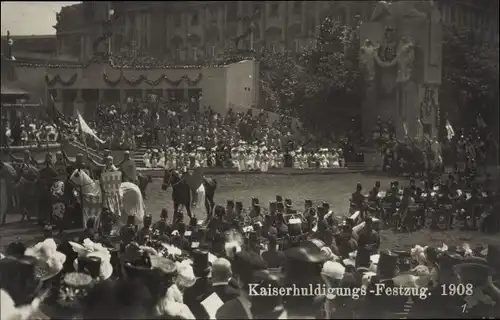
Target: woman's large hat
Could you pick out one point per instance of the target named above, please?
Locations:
(50, 261)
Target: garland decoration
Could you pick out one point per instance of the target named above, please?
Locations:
(110, 82)
(57, 79)
(142, 78)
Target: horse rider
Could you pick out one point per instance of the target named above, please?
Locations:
(78, 163)
(128, 169)
(108, 165)
(8, 177)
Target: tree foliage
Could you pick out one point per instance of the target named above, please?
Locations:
(470, 76)
(322, 85)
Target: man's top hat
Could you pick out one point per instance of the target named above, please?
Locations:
(90, 265)
(164, 213)
(15, 249)
(239, 205)
(387, 264)
(200, 263)
(280, 207)
(193, 222)
(272, 207)
(279, 198)
(18, 278)
(131, 220)
(256, 209)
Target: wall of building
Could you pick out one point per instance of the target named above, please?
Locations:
(241, 87)
(214, 92)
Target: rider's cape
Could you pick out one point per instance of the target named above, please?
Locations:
(194, 178)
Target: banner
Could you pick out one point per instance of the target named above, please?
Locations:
(85, 129)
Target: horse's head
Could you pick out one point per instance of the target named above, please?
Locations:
(80, 178)
(170, 177)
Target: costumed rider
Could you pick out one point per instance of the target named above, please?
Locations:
(109, 187)
(127, 167)
(78, 163)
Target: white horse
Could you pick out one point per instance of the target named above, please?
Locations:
(127, 200)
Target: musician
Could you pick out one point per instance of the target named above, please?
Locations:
(274, 258)
(281, 225)
(369, 239)
(406, 201)
(146, 231)
(345, 241)
(373, 195)
(162, 226)
(358, 199)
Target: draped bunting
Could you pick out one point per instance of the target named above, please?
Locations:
(155, 82)
(57, 79)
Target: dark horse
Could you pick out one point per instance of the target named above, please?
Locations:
(181, 191)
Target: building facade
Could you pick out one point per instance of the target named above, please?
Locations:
(187, 31)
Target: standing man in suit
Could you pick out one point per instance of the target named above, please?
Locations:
(221, 275)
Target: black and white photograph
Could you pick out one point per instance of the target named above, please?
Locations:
(250, 160)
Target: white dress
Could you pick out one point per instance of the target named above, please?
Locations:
(161, 162)
(147, 159)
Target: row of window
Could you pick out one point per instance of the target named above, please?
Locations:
(196, 53)
(232, 13)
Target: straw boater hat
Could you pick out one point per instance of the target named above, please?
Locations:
(50, 261)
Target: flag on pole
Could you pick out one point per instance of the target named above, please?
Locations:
(56, 116)
(85, 129)
(480, 121)
(420, 130)
(405, 128)
(449, 130)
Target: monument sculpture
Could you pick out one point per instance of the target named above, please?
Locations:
(401, 58)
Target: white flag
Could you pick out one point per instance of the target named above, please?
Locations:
(449, 130)
(84, 127)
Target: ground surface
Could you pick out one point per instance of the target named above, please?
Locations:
(335, 189)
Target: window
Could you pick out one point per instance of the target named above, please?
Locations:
(177, 20)
(195, 54)
(178, 54)
(274, 12)
(273, 47)
(297, 5)
(296, 43)
(194, 19)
